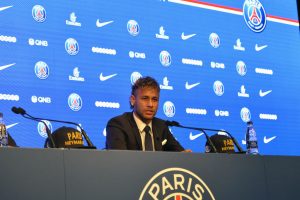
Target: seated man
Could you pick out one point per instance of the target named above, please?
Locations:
(140, 130)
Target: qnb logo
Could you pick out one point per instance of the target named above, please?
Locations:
(41, 70)
(254, 15)
(176, 183)
(107, 51)
(105, 104)
(169, 109)
(196, 111)
(75, 102)
(218, 88)
(9, 97)
(133, 27)
(41, 128)
(214, 40)
(241, 68)
(221, 113)
(71, 46)
(245, 114)
(4, 38)
(133, 54)
(217, 65)
(35, 42)
(268, 116)
(264, 71)
(188, 61)
(134, 77)
(165, 58)
(39, 13)
(36, 99)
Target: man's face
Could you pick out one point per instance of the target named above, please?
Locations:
(145, 103)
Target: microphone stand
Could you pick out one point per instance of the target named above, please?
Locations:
(50, 136)
(197, 129)
(233, 139)
(26, 115)
(90, 144)
(174, 123)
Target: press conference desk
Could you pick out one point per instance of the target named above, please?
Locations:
(35, 174)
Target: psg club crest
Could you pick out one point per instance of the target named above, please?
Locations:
(75, 102)
(245, 114)
(169, 109)
(133, 27)
(241, 68)
(165, 58)
(42, 128)
(214, 40)
(39, 13)
(218, 88)
(72, 46)
(255, 15)
(41, 70)
(176, 184)
(134, 77)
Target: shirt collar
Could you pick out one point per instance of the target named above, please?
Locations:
(140, 124)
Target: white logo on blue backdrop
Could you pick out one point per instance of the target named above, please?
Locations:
(75, 102)
(245, 114)
(254, 15)
(39, 13)
(42, 128)
(169, 109)
(41, 70)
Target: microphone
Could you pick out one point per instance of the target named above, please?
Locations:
(27, 116)
(174, 123)
(90, 144)
(18, 110)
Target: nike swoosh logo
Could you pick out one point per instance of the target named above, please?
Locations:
(11, 125)
(267, 140)
(259, 48)
(193, 137)
(6, 66)
(4, 8)
(262, 94)
(101, 24)
(104, 78)
(186, 37)
(190, 86)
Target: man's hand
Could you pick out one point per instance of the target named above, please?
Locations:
(187, 150)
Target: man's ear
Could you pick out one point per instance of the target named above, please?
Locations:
(132, 100)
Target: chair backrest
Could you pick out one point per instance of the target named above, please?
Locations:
(223, 144)
(66, 137)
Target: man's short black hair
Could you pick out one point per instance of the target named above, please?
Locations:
(142, 83)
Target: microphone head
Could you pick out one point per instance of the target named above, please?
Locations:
(18, 110)
(15, 110)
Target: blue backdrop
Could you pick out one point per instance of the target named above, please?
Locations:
(220, 63)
